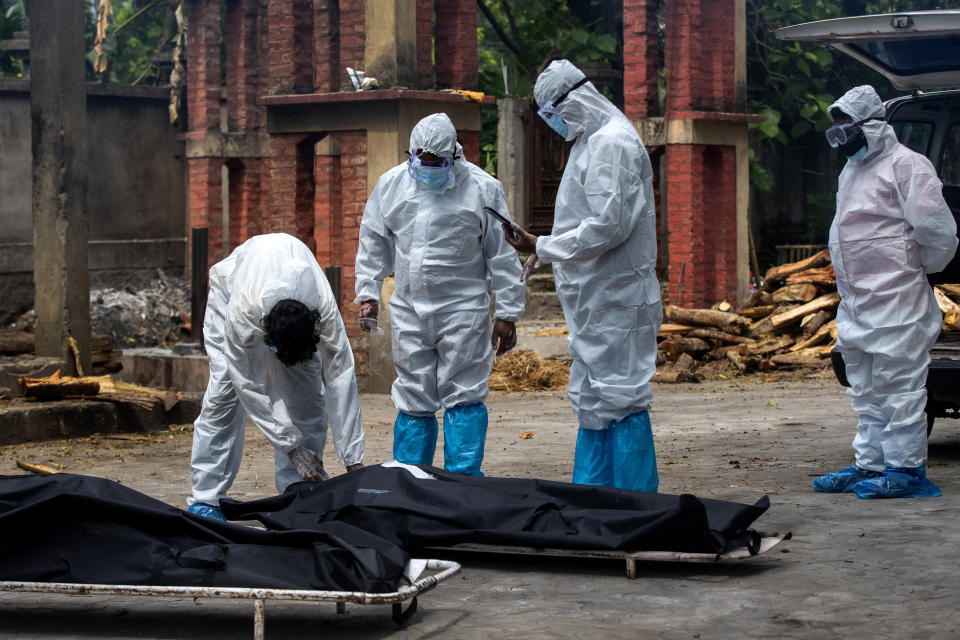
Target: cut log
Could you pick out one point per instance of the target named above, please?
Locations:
(721, 352)
(758, 313)
(823, 277)
(769, 346)
(729, 322)
(776, 275)
(795, 293)
(950, 309)
(14, 343)
(756, 299)
(765, 326)
(679, 345)
(789, 360)
(668, 329)
(54, 387)
(674, 377)
(719, 336)
(685, 363)
(827, 301)
(812, 323)
(952, 290)
(737, 360)
(822, 334)
(723, 306)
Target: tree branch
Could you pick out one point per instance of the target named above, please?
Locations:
(517, 48)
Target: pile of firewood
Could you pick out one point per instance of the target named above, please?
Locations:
(105, 359)
(790, 322)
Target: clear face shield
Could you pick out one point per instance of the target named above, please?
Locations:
(550, 114)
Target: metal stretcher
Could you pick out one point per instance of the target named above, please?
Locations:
(767, 542)
(443, 569)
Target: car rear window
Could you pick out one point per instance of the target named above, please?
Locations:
(915, 135)
(950, 158)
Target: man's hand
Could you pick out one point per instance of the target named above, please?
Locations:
(529, 267)
(369, 309)
(307, 464)
(520, 239)
(354, 467)
(504, 333)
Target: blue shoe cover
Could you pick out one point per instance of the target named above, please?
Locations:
(206, 510)
(842, 481)
(591, 466)
(464, 433)
(898, 482)
(620, 456)
(414, 438)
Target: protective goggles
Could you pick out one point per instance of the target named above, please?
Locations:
(549, 109)
(839, 134)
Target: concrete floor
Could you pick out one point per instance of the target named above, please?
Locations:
(854, 568)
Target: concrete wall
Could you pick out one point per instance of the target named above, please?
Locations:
(136, 188)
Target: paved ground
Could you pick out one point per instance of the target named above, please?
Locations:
(855, 568)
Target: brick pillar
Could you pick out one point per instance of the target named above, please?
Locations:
(470, 141)
(455, 39)
(424, 44)
(353, 188)
(303, 201)
(328, 219)
(245, 198)
(641, 58)
(283, 183)
(352, 39)
(290, 46)
(206, 205)
(203, 115)
(243, 73)
(326, 46)
(681, 53)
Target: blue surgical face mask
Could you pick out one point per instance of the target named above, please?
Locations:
(433, 178)
(551, 115)
(859, 155)
(557, 124)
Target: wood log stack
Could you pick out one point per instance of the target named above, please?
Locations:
(789, 323)
(104, 357)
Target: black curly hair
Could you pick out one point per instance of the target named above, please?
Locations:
(292, 331)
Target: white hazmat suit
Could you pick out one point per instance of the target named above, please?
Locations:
(290, 405)
(603, 247)
(447, 256)
(892, 227)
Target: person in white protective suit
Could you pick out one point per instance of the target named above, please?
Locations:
(425, 222)
(603, 248)
(892, 227)
(271, 329)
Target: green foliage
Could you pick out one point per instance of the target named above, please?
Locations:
(13, 17)
(540, 28)
(139, 29)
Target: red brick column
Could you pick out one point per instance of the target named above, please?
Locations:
(290, 46)
(243, 73)
(326, 46)
(283, 184)
(353, 188)
(245, 200)
(470, 141)
(328, 221)
(455, 40)
(304, 192)
(424, 44)
(717, 28)
(203, 114)
(641, 58)
(682, 51)
(352, 35)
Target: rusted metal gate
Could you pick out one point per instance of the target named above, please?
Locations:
(546, 156)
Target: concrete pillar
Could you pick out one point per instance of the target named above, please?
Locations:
(390, 48)
(511, 155)
(58, 109)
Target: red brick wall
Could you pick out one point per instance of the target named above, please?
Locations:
(243, 67)
(352, 38)
(424, 44)
(455, 41)
(283, 185)
(328, 219)
(702, 197)
(290, 46)
(641, 58)
(717, 26)
(682, 51)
